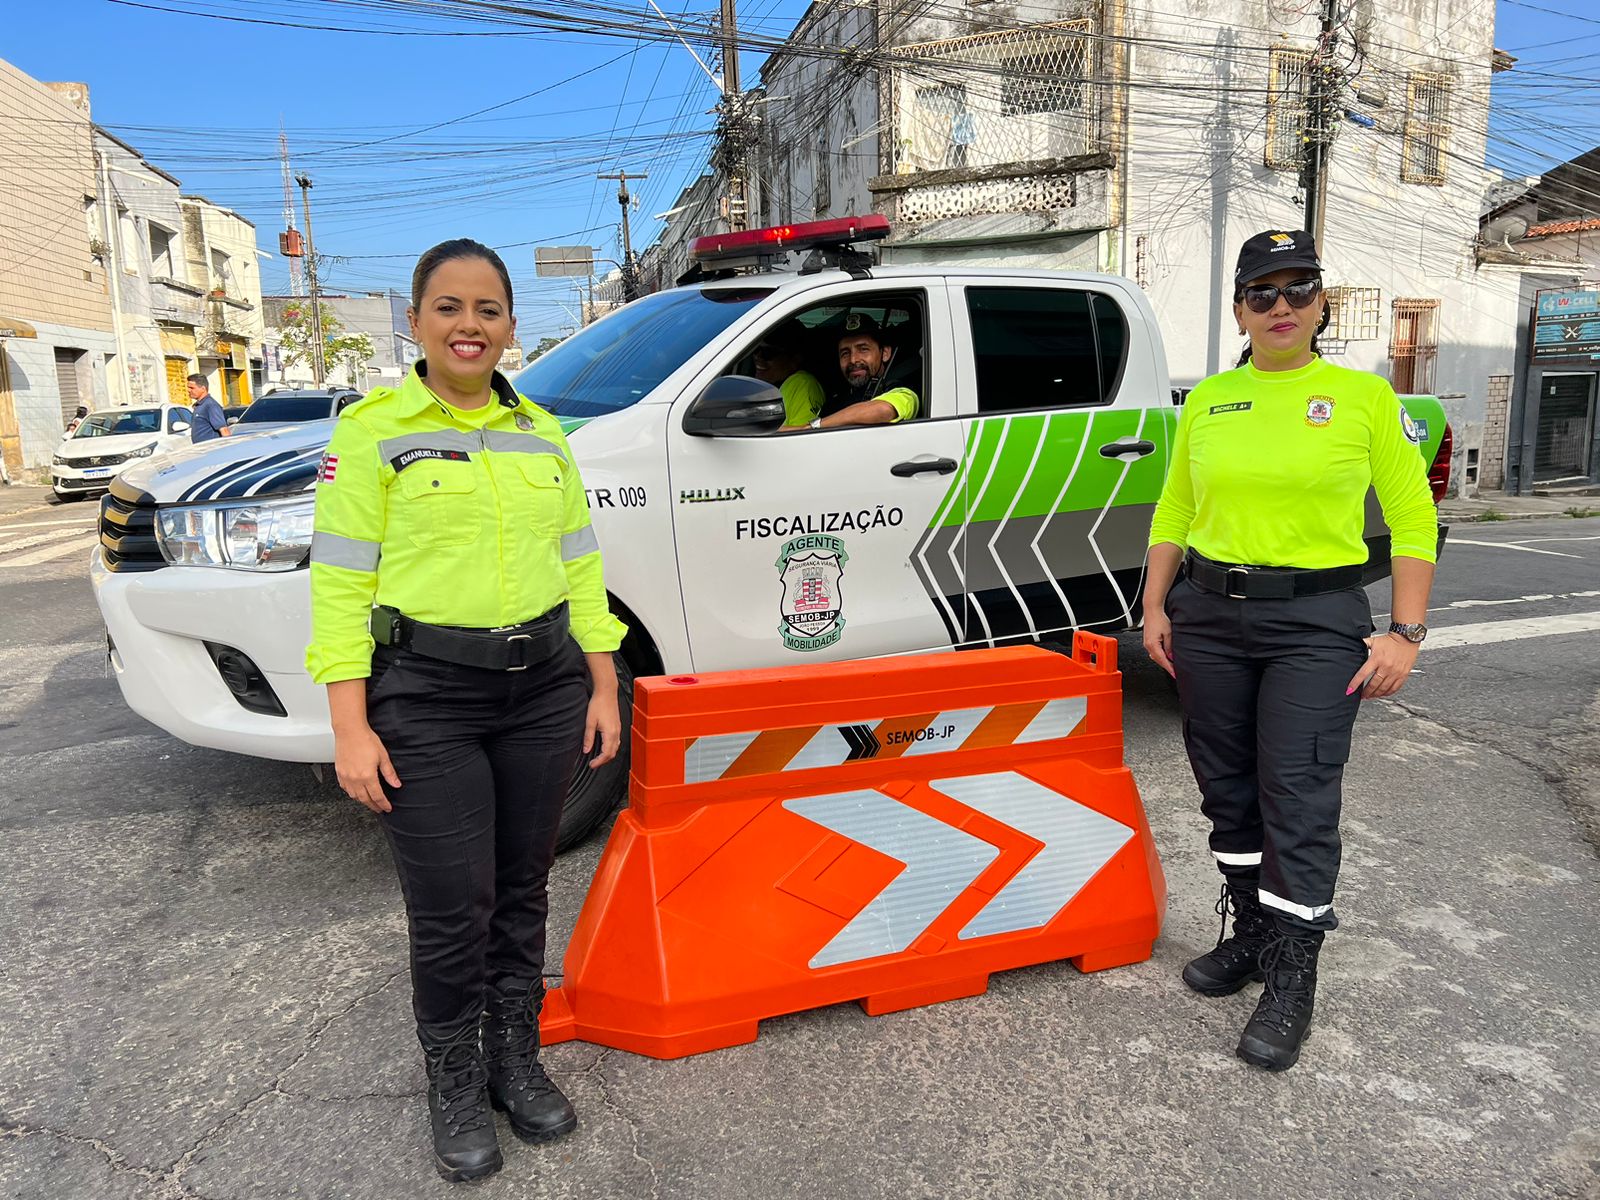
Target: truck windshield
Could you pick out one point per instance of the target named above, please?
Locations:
(616, 362)
(110, 424)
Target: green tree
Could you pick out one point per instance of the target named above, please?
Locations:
(545, 345)
(353, 351)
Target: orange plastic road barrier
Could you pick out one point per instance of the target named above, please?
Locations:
(891, 831)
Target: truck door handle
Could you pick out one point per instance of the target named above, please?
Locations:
(939, 466)
(1118, 449)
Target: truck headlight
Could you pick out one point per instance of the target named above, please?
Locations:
(59, 460)
(269, 535)
(143, 451)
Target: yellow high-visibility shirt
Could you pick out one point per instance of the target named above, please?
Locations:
(803, 398)
(470, 518)
(1271, 468)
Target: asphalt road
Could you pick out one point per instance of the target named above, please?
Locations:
(203, 990)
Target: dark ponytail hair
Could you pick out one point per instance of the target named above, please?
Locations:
(1316, 345)
(455, 248)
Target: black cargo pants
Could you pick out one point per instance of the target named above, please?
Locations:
(1267, 725)
(484, 760)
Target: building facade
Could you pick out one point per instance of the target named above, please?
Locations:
(1150, 140)
(221, 250)
(57, 335)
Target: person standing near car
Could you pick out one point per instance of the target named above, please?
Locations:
(1267, 628)
(460, 621)
(210, 422)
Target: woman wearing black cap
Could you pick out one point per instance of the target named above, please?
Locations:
(1267, 628)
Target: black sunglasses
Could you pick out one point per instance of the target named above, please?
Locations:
(1260, 297)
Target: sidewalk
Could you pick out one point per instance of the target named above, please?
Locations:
(1512, 508)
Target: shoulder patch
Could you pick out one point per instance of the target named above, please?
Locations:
(1409, 427)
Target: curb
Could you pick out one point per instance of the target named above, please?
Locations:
(1477, 518)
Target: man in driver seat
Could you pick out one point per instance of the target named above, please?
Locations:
(865, 397)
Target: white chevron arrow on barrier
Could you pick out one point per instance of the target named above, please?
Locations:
(941, 862)
(1078, 841)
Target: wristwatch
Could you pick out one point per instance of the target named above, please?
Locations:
(817, 424)
(1412, 633)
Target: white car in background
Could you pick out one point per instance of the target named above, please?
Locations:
(108, 441)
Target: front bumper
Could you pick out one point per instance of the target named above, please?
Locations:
(69, 479)
(159, 623)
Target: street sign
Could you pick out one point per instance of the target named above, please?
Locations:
(1566, 327)
(562, 262)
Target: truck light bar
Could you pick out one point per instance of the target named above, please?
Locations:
(775, 239)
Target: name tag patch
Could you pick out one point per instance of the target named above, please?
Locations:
(1241, 406)
(403, 460)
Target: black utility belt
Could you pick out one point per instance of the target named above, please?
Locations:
(510, 648)
(1267, 583)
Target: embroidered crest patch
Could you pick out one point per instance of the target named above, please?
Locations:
(1319, 410)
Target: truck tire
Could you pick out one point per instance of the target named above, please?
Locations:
(595, 794)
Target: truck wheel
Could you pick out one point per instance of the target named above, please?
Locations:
(595, 795)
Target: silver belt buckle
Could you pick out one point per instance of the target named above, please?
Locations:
(519, 637)
(1227, 584)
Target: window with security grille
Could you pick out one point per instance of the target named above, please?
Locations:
(998, 98)
(1427, 128)
(1352, 314)
(1288, 108)
(1045, 83)
(822, 198)
(1413, 345)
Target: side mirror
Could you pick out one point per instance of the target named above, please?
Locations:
(735, 406)
(182, 426)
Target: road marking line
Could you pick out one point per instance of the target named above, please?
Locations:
(1588, 537)
(1455, 541)
(89, 520)
(47, 555)
(1485, 632)
(37, 539)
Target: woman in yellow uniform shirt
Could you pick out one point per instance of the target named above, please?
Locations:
(1255, 605)
(459, 619)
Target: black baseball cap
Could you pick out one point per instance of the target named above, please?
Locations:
(1273, 251)
(861, 323)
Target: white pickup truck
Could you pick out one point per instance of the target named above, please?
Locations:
(1016, 504)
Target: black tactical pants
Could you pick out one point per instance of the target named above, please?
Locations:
(484, 760)
(1267, 725)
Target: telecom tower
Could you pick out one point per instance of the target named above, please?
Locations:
(289, 240)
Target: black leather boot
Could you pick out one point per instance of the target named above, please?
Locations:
(1236, 960)
(464, 1143)
(518, 1086)
(1283, 1017)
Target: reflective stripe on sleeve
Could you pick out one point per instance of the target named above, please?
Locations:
(1308, 912)
(1237, 860)
(503, 441)
(353, 554)
(578, 543)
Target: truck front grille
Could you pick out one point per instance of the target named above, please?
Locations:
(128, 530)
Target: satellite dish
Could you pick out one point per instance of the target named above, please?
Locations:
(1503, 230)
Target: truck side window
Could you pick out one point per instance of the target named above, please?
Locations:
(1044, 347)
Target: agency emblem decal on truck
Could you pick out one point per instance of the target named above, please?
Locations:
(811, 607)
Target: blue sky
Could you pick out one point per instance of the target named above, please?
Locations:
(522, 173)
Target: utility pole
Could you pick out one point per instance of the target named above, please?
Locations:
(630, 282)
(319, 370)
(733, 115)
(1324, 90)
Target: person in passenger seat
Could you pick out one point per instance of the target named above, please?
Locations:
(779, 360)
(865, 398)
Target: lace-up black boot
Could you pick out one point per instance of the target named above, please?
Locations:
(464, 1142)
(518, 1086)
(1283, 1017)
(1236, 960)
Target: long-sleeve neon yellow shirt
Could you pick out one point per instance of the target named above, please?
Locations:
(1271, 468)
(475, 519)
